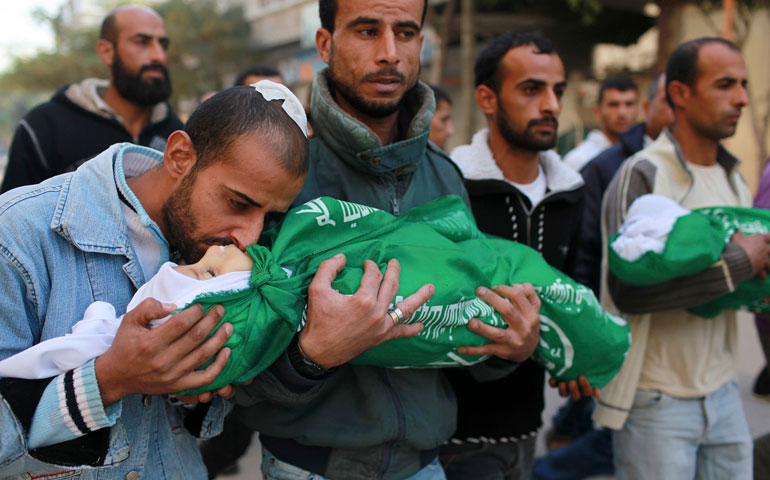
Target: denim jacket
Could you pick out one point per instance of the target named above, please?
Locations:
(64, 244)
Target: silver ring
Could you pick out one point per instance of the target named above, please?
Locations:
(396, 315)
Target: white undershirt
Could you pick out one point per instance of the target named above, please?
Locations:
(534, 190)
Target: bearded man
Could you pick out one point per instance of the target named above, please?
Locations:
(82, 119)
(317, 415)
(519, 190)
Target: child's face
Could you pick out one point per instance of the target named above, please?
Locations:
(217, 261)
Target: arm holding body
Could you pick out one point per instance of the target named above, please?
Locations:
(62, 420)
(338, 329)
(32, 419)
(742, 258)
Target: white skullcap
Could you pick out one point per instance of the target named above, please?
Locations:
(291, 105)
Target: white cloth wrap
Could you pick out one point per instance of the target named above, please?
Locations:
(291, 104)
(93, 335)
(648, 222)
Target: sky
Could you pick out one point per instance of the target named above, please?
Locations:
(20, 34)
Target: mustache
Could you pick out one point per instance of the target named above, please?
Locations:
(545, 121)
(194, 249)
(157, 67)
(385, 72)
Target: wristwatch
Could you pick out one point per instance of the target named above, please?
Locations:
(304, 365)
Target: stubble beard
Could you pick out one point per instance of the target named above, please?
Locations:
(715, 131)
(180, 221)
(366, 107)
(526, 140)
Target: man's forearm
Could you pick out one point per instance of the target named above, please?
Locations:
(720, 279)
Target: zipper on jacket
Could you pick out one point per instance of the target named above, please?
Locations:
(528, 214)
(394, 200)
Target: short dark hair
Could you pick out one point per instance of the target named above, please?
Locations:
(256, 70)
(623, 83)
(682, 65)
(222, 119)
(327, 11)
(440, 94)
(487, 70)
(109, 30)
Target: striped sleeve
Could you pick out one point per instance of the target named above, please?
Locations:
(635, 179)
(71, 406)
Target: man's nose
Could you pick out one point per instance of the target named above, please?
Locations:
(247, 234)
(158, 53)
(742, 97)
(387, 51)
(550, 103)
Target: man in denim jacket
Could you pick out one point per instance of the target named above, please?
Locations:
(98, 234)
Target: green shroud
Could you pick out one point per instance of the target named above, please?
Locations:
(437, 243)
(695, 242)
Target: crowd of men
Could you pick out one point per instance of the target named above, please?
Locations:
(140, 188)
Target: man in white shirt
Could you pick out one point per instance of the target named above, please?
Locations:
(616, 111)
(519, 190)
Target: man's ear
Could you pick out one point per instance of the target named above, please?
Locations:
(323, 43)
(106, 51)
(486, 99)
(679, 92)
(179, 156)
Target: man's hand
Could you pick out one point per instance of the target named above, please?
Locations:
(163, 359)
(519, 306)
(341, 327)
(575, 389)
(757, 247)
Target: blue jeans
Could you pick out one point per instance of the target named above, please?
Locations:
(668, 437)
(484, 461)
(274, 469)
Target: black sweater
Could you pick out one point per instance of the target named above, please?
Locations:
(58, 136)
(512, 406)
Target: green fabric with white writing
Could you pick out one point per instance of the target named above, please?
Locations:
(437, 243)
(695, 242)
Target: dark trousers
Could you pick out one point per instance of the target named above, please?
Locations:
(484, 461)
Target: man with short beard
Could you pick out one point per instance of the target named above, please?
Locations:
(318, 416)
(83, 119)
(519, 190)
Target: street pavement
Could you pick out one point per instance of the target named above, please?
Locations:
(750, 361)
